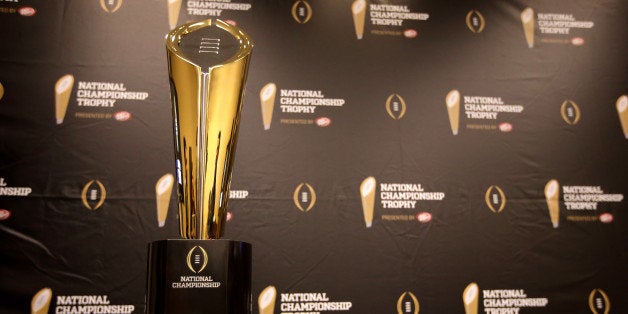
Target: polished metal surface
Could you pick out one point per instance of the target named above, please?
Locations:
(207, 64)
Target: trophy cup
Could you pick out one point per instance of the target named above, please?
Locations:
(201, 273)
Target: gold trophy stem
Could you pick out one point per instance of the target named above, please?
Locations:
(207, 74)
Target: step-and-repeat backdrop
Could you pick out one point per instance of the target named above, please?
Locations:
(394, 156)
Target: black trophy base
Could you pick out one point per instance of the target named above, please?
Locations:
(199, 276)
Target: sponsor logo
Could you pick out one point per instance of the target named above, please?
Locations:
(570, 112)
(196, 259)
(110, 6)
(26, 11)
(304, 197)
(4, 214)
(424, 217)
(410, 33)
(495, 199)
(475, 21)
(599, 302)
(395, 106)
(68, 304)
(214, 7)
(301, 12)
(407, 303)
(606, 218)
(122, 116)
(577, 41)
(322, 121)
(93, 195)
(505, 127)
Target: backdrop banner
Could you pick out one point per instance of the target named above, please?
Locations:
(394, 156)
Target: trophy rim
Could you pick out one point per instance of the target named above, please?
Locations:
(173, 38)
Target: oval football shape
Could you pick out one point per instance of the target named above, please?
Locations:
(26, 11)
(606, 218)
(505, 127)
(322, 121)
(122, 116)
(410, 33)
(424, 217)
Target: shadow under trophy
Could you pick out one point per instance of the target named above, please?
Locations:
(201, 273)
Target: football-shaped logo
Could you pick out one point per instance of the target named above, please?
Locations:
(301, 12)
(407, 303)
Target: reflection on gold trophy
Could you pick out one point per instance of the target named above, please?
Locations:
(358, 10)
(267, 99)
(470, 297)
(527, 19)
(453, 109)
(208, 70)
(551, 196)
(367, 192)
(622, 110)
(163, 190)
(266, 300)
(174, 6)
(63, 90)
(41, 301)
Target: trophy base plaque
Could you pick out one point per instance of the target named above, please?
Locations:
(199, 276)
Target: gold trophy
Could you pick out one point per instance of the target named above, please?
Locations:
(367, 193)
(163, 190)
(527, 19)
(622, 111)
(551, 197)
(267, 99)
(452, 100)
(358, 10)
(174, 6)
(1, 91)
(41, 301)
(207, 65)
(266, 300)
(470, 297)
(63, 90)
